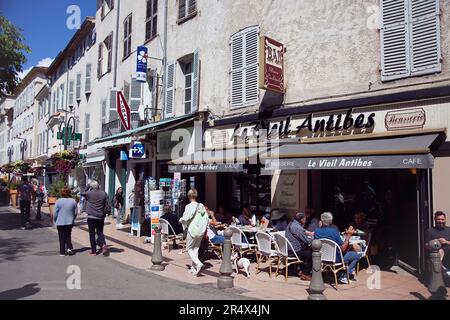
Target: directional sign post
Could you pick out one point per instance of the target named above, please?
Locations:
(124, 111)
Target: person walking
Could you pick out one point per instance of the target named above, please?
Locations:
(40, 194)
(118, 205)
(97, 207)
(195, 220)
(25, 194)
(66, 210)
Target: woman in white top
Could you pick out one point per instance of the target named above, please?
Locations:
(195, 220)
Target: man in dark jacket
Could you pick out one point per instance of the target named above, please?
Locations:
(97, 207)
(25, 195)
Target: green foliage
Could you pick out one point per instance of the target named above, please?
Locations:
(55, 188)
(11, 56)
(13, 185)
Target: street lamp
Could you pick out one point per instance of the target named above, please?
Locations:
(10, 153)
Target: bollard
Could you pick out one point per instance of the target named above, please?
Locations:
(436, 286)
(316, 286)
(225, 279)
(157, 257)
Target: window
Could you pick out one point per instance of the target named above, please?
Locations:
(100, 60)
(135, 95)
(78, 87)
(71, 89)
(151, 21)
(244, 67)
(87, 85)
(105, 56)
(62, 102)
(186, 9)
(107, 6)
(127, 28)
(87, 125)
(410, 38)
(188, 74)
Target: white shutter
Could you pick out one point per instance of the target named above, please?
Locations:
(78, 90)
(87, 88)
(71, 88)
(104, 111)
(87, 126)
(135, 95)
(425, 37)
(170, 89)
(245, 67)
(394, 40)
(195, 81)
(237, 70)
(113, 106)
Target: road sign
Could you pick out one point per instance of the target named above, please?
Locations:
(137, 151)
(123, 110)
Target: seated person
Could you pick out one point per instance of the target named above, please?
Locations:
(247, 218)
(328, 232)
(172, 219)
(360, 225)
(312, 223)
(214, 235)
(300, 239)
(441, 233)
(278, 220)
(223, 216)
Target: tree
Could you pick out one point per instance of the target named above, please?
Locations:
(11, 56)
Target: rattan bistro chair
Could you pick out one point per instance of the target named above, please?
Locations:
(265, 251)
(282, 245)
(329, 251)
(166, 230)
(242, 246)
(365, 252)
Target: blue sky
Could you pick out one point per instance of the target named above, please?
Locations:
(44, 25)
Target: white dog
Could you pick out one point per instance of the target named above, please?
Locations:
(242, 263)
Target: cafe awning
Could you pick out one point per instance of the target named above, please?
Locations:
(384, 153)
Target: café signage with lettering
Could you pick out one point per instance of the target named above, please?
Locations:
(405, 119)
(272, 65)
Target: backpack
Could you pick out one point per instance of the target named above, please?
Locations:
(198, 225)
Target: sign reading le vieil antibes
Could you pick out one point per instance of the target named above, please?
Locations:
(272, 65)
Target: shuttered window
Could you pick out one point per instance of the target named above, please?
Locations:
(71, 92)
(100, 60)
(151, 21)
(78, 87)
(410, 38)
(170, 90)
(87, 84)
(196, 81)
(104, 111)
(113, 106)
(127, 28)
(244, 67)
(186, 9)
(135, 95)
(87, 128)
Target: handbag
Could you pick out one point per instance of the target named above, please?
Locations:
(199, 223)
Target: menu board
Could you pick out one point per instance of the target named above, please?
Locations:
(287, 190)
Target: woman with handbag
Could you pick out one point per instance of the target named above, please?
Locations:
(194, 220)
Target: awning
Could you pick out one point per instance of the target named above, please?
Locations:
(94, 159)
(387, 153)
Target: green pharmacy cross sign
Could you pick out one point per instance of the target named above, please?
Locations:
(67, 132)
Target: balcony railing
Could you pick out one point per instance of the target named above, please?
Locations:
(115, 127)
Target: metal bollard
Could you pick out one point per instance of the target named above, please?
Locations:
(225, 279)
(157, 257)
(316, 286)
(436, 286)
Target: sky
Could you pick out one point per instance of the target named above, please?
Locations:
(44, 25)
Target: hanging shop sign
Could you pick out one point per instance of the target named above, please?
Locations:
(124, 111)
(369, 162)
(141, 64)
(405, 119)
(137, 150)
(272, 65)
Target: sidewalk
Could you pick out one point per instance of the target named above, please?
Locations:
(133, 252)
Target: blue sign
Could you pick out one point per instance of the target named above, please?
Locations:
(141, 64)
(123, 156)
(137, 151)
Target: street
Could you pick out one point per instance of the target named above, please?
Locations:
(31, 268)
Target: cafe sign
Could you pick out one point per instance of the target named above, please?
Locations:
(272, 65)
(405, 119)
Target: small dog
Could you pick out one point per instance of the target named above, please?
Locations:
(242, 263)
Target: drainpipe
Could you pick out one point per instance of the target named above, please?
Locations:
(116, 43)
(166, 5)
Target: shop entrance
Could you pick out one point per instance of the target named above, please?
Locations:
(393, 202)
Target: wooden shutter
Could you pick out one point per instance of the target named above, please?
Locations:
(87, 88)
(181, 9)
(394, 40)
(78, 90)
(87, 127)
(170, 89)
(103, 111)
(71, 88)
(244, 67)
(113, 106)
(135, 95)
(195, 81)
(425, 37)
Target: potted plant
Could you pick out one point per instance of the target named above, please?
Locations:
(63, 162)
(13, 186)
(53, 194)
